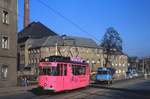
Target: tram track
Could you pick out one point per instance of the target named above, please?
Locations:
(92, 89)
(76, 94)
(73, 94)
(81, 93)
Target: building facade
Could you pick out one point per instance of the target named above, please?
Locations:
(70, 46)
(143, 65)
(8, 43)
(85, 48)
(37, 46)
(34, 30)
(120, 63)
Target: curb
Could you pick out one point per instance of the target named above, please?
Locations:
(13, 90)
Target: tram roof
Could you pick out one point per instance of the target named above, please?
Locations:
(60, 59)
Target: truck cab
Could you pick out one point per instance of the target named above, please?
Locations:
(104, 75)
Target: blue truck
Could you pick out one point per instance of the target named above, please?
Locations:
(105, 75)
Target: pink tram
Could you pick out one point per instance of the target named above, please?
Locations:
(58, 73)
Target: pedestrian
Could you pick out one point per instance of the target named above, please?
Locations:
(22, 81)
(25, 82)
(145, 75)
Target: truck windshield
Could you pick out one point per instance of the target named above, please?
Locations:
(51, 71)
(102, 72)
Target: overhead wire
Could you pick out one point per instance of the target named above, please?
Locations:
(67, 19)
(59, 14)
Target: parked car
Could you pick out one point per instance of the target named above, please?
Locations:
(129, 74)
(134, 74)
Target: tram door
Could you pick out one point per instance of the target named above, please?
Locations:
(62, 68)
(74, 77)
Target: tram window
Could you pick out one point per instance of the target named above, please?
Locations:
(52, 71)
(82, 70)
(78, 70)
(45, 71)
(59, 70)
(73, 70)
(42, 71)
(49, 71)
(65, 70)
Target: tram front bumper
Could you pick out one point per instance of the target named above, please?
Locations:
(48, 88)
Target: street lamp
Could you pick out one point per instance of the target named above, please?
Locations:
(93, 65)
(143, 66)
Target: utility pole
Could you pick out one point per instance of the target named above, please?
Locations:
(56, 49)
(143, 66)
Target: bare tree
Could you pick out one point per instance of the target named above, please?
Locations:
(112, 44)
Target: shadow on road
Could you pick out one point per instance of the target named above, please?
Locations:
(39, 91)
(139, 91)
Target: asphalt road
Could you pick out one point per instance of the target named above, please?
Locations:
(131, 89)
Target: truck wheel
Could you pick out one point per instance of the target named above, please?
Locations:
(108, 82)
(111, 82)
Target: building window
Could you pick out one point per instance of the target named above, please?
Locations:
(5, 42)
(5, 17)
(29, 62)
(4, 72)
(35, 60)
(35, 51)
(119, 71)
(38, 51)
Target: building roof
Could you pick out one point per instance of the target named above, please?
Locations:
(35, 30)
(79, 41)
(52, 40)
(64, 40)
(34, 43)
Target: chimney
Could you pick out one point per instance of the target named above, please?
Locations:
(26, 13)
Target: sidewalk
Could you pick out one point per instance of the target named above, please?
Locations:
(17, 89)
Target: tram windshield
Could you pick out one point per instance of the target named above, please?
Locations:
(58, 70)
(51, 71)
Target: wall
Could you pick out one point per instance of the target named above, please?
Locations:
(8, 55)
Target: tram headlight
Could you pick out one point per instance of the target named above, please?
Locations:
(51, 86)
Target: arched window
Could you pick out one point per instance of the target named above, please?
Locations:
(4, 72)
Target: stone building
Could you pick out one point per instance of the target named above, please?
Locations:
(84, 48)
(34, 43)
(144, 65)
(119, 61)
(34, 30)
(8, 42)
